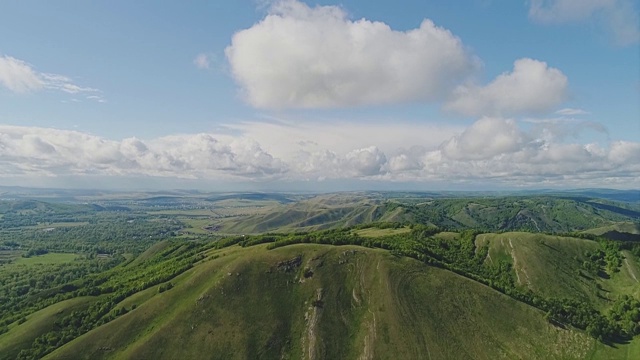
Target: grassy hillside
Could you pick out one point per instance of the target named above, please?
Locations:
(554, 266)
(550, 265)
(324, 302)
(622, 231)
(323, 212)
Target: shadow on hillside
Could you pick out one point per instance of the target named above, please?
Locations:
(615, 341)
(621, 236)
(612, 208)
(585, 276)
(549, 246)
(558, 324)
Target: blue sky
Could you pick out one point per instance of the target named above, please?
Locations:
(332, 95)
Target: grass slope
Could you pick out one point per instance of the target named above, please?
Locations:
(552, 266)
(147, 254)
(315, 302)
(545, 264)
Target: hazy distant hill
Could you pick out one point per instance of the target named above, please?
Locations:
(531, 213)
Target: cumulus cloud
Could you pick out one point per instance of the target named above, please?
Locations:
(20, 77)
(493, 150)
(620, 17)
(486, 138)
(316, 57)
(366, 162)
(406, 160)
(532, 87)
(34, 151)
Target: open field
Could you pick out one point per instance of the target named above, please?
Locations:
(51, 258)
(196, 225)
(60, 224)
(185, 213)
(375, 232)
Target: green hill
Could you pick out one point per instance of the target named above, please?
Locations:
(406, 292)
(532, 256)
(554, 266)
(324, 302)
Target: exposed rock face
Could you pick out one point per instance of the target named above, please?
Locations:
(290, 265)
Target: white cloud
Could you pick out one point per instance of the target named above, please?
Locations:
(490, 150)
(625, 151)
(20, 77)
(202, 61)
(285, 138)
(406, 160)
(486, 138)
(562, 128)
(303, 57)
(532, 87)
(365, 162)
(571, 112)
(29, 150)
(620, 17)
(97, 98)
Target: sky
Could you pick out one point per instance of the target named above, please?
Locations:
(295, 95)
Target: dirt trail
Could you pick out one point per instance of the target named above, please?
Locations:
(371, 326)
(633, 275)
(536, 224)
(515, 266)
(312, 324)
(515, 261)
(369, 340)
